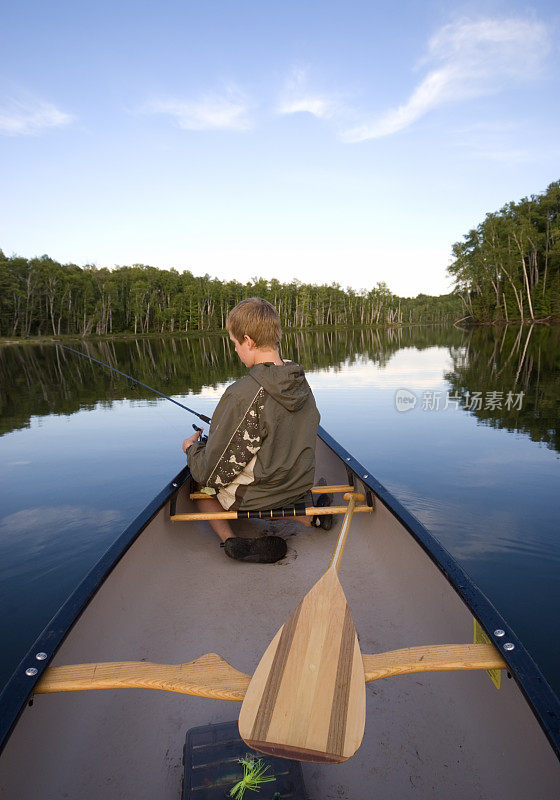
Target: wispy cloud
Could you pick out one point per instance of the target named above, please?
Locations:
(228, 110)
(465, 59)
(297, 97)
(30, 117)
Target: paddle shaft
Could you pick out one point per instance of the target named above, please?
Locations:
(336, 558)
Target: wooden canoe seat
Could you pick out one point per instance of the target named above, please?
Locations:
(297, 510)
(212, 676)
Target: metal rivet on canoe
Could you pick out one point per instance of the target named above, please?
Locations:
(174, 484)
(31, 671)
(499, 632)
(349, 457)
(41, 656)
(509, 646)
(365, 476)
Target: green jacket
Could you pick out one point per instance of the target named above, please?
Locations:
(261, 447)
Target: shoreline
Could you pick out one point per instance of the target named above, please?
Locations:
(499, 323)
(127, 335)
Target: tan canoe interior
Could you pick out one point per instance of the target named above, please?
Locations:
(175, 596)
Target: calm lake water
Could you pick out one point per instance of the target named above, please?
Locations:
(474, 453)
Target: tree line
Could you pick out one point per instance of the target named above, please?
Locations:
(508, 268)
(40, 296)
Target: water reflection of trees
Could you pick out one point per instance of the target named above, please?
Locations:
(513, 359)
(44, 379)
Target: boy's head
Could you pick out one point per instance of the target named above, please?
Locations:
(257, 319)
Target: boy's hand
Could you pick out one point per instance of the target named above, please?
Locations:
(191, 440)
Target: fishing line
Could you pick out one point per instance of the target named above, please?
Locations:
(203, 417)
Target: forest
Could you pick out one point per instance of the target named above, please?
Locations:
(505, 270)
(508, 268)
(41, 297)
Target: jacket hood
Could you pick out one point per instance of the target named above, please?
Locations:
(287, 384)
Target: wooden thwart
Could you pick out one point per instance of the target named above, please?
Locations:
(208, 676)
(313, 490)
(213, 677)
(310, 511)
(435, 658)
(297, 510)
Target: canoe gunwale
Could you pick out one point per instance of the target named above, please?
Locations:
(536, 690)
(19, 689)
(532, 683)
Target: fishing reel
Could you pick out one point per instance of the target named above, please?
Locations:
(202, 439)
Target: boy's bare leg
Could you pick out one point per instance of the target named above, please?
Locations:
(220, 526)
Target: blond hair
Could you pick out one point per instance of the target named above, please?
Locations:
(256, 318)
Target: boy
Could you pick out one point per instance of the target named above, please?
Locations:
(261, 446)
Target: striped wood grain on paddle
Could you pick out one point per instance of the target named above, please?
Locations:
(306, 700)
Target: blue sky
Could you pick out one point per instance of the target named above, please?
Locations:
(324, 141)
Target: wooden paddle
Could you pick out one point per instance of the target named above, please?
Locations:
(306, 700)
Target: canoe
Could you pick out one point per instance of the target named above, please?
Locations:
(164, 593)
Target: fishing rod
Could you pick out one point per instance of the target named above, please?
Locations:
(203, 417)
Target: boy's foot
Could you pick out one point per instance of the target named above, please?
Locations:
(324, 521)
(266, 550)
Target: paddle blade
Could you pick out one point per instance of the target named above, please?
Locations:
(306, 700)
